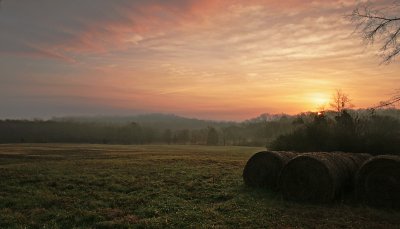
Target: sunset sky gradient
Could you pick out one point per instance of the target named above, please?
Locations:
(213, 59)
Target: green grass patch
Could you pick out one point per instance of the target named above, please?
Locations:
(104, 186)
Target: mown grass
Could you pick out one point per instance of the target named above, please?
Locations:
(102, 186)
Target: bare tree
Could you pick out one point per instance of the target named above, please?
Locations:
(382, 25)
(390, 102)
(379, 24)
(340, 101)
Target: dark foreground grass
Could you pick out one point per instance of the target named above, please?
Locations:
(102, 186)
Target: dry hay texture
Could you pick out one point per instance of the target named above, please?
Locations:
(378, 181)
(320, 177)
(263, 168)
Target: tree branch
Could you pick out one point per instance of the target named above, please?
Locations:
(374, 25)
(376, 17)
(387, 103)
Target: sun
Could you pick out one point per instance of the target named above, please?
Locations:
(319, 100)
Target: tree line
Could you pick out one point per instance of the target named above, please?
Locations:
(347, 130)
(254, 132)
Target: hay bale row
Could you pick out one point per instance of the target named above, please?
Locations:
(320, 177)
(264, 168)
(378, 182)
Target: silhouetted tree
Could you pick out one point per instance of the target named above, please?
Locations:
(167, 136)
(183, 136)
(380, 135)
(212, 136)
(345, 135)
(390, 102)
(382, 24)
(340, 101)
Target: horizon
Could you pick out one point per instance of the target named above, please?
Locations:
(145, 114)
(90, 116)
(209, 60)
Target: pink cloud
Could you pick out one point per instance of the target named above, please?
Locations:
(120, 26)
(37, 53)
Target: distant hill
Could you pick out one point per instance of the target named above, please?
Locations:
(175, 122)
(159, 121)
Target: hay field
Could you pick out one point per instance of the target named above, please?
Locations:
(104, 186)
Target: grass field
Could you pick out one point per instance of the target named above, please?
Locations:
(103, 186)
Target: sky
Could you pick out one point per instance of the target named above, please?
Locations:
(210, 59)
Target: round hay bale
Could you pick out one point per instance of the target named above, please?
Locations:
(320, 177)
(263, 168)
(378, 182)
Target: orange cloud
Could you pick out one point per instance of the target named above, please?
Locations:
(231, 59)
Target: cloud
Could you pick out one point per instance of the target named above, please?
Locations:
(70, 29)
(207, 56)
(93, 26)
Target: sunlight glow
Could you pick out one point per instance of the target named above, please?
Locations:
(207, 59)
(319, 101)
